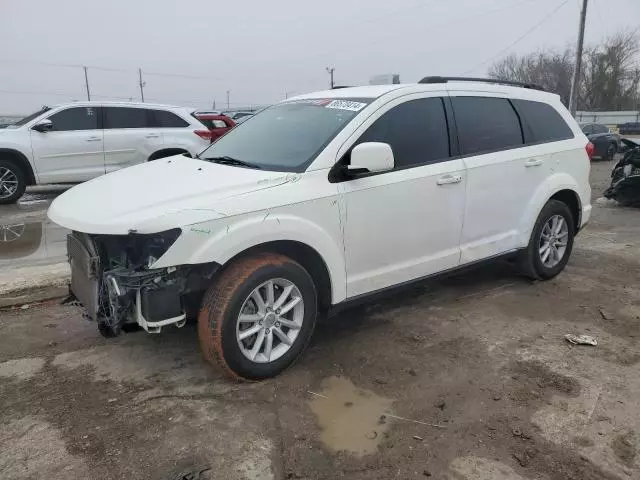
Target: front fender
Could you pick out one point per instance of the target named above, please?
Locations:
(551, 186)
(221, 240)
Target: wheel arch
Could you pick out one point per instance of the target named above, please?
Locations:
(572, 200)
(560, 186)
(305, 255)
(167, 152)
(225, 239)
(21, 160)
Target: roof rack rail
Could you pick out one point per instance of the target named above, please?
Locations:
(533, 86)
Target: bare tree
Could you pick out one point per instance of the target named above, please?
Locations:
(610, 77)
(549, 69)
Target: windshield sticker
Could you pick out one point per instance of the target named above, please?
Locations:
(347, 105)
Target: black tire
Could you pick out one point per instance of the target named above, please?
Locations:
(19, 175)
(222, 304)
(531, 264)
(167, 153)
(612, 149)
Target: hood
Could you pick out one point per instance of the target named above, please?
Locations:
(156, 196)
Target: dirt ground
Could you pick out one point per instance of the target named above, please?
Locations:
(469, 378)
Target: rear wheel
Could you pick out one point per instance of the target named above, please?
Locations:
(611, 151)
(12, 182)
(551, 242)
(258, 317)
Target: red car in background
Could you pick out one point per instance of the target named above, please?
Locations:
(217, 124)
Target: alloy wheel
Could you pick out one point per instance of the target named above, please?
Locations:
(270, 320)
(8, 182)
(553, 241)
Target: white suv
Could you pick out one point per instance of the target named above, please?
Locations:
(75, 142)
(322, 200)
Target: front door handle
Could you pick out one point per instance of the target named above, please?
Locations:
(448, 179)
(152, 135)
(94, 139)
(533, 162)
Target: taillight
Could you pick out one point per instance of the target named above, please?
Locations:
(590, 148)
(204, 134)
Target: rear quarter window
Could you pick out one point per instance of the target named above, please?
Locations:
(486, 124)
(542, 123)
(165, 119)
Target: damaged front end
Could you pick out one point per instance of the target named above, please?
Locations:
(625, 177)
(113, 278)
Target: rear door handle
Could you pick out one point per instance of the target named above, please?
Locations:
(94, 139)
(152, 135)
(533, 162)
(448, 179)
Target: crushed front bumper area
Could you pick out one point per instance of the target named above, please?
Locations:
(110, 277)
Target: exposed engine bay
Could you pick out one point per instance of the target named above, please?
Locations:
(625, 177)
(113, 278)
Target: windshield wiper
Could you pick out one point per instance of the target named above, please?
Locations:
(227, 160)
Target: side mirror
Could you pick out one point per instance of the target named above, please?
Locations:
(371, 157)
(43, 126)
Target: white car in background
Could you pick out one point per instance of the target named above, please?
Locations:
(325, 199)
(75, 142)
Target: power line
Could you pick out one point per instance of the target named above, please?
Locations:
(108, 69)
(23, 92)
(518, 40)
(59, 94)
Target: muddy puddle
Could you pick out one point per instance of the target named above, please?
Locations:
(350, 417)
(31, 243)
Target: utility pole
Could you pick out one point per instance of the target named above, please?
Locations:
(141, 83)
(575, 84)
(228, 94)
(86, 83)
(330, 72)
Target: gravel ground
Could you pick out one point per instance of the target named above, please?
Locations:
(469, 378)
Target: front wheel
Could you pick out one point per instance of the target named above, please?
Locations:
(12, 182)
(551, 242)
(258, 317)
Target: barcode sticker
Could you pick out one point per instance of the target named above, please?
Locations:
(346, 105)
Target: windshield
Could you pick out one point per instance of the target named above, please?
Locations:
(28, 118)
(286, 137)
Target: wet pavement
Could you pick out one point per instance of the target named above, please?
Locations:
(27, 237)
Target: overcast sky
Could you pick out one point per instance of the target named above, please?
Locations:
(261, 50)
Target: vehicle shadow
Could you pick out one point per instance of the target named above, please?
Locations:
(371, 313)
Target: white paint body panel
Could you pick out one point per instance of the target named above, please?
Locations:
(372, 232)
(124, 147)
(402, 225)
(68, 157)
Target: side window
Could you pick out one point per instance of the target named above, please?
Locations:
(76, 118)
(587, 129)
(164, 119)
(486, 124)
(543, 121)
(416, 130)
(125, 117)
(219, 124)
(600, 129)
